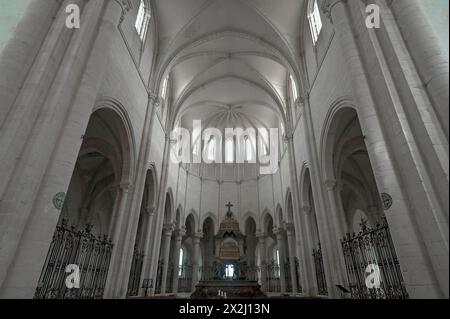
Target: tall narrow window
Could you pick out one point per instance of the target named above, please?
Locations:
(195, 149)
(142, 20)
(264, 141)
(229, 271)
(229, 150)
(293, 88)
(164, 88)
(315, 22)
(248, 149)
(277, 261)
(212, 149)
(180, 263)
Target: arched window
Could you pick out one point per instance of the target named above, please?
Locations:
(248, 148)
(229, 271)
(195, 149)
(212, 149)
(142, 20)
(277, 262)
(164, 88)
(229, 150)
(180, 262)
(315, 22)
(264, 141)
(293, 88)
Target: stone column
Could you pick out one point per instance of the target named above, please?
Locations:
(320, 196)
(290, 231)
(263, 259)
(336, 213)
(20, 51)
(420, 268)
(280, 242)
(307, 212)
(165, 251)
(176, 257)
(120, 211)
(146, 262)
(300, 249)
(130, 225)
(155, 241)
(429, 56)
(47, 124)
(195, 260)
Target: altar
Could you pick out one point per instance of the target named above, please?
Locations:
(229, 274)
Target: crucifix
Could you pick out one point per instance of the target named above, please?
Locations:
(229, 205)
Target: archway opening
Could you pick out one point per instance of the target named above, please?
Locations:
(368, 248)
(91, 211)
(147, 211)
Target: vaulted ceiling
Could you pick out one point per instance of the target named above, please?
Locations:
(229, 61)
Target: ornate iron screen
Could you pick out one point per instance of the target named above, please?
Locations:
(71, 247)
(297, 273)
(135, 273)
(372, 265)
(185, 279)
(159, 274)
(288, 276)
(169, 279)
(273, 277)
(320, 272)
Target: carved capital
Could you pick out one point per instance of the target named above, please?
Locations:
(330, 184)
(303, 99)
(327, 7)
(288, 137)
(198, 235)
(181, 232)
(124, 186)
(278, 231)
(168, 229)
(150, 210)
(307, 210)
(261, 235)
(290, 229)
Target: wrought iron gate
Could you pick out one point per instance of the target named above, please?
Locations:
(273, 277)
(81, 248)
(288, 276)
(135, 273)
(320, 272)
(297, 274)
(159, 274)
(372, 265)
(185, 279)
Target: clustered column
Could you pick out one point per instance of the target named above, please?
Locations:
(176, 257)
(195, 261)
(263, 259)
(167, 233)
(290, 231)
(280, 242)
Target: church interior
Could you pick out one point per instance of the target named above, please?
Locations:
(341, 194)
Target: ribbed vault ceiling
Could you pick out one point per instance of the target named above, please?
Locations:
(229, 60)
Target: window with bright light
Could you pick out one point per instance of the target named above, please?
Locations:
(142, 20)
(293, 88)
(315, 21)
(229, 150)
(229, 271)
(212, 149)
(164, 88)
(248, 148)
(195, 149)
(180, 262)
(264, 140)
(277, 260)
